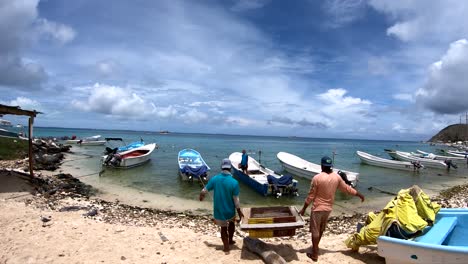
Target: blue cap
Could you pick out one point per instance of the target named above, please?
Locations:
(226, 164)
(327, 162)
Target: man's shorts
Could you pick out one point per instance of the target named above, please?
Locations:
(224, 223)
(318, 222)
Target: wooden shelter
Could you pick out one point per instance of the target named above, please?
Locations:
(16, 110)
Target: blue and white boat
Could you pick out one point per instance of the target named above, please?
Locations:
(445, 242)
(261, 179)
(192, 166)
(123, 148)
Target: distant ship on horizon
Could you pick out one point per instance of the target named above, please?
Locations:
(163, 132)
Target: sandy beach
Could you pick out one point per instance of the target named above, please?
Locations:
(55, 220)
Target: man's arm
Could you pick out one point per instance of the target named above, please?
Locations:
(310, 197)
(238, 209)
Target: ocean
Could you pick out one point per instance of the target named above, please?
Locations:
(157, 183)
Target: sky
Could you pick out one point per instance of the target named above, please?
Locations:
(364, 69)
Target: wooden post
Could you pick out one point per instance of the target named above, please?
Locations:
(30, 136)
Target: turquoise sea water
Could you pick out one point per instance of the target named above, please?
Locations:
(161, 174)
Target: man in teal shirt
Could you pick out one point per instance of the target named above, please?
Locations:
(225, 202)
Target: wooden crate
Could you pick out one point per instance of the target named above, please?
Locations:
(271, 221)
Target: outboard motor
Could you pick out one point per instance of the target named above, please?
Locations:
(344, 177)
(416, 165)
(450, 164)
(110, 151)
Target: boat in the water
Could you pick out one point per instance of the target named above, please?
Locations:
(444, 242)
(87, 141)
(130, 158)
(305, 169)
(436, 164)
(124, 147)
(458, 153)
(261, 179)
(192, 166)
(369, 159)
(438, 157)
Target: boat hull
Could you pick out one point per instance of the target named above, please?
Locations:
(257, 177)
(305, 169)
(445, 244)
(436, 164)
(194, 160)
(131, 158)
(369, 159)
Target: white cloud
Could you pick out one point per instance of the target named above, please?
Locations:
(446, 89)
(244, 5)
(19, 23)
(106, 67)
(116, 101)
(399, 128)
(59, 32)
(404, 97)
(343, 12)
(24, 103)
(419, 20)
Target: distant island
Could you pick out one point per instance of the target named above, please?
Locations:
(452, 133)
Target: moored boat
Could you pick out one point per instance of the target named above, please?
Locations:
(75, 140)
(444, 242)
(438, 157)
(263, 180)
(125, 147)
(192, 166)
(130, 158)
(436, 164)
(369, 159)
(305, 169)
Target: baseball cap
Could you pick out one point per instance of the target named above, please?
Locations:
(226, 164)
(326, 161)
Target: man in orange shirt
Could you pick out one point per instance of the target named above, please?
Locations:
(322, 194)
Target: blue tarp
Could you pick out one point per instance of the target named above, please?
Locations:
(196, 172)
(284, 180)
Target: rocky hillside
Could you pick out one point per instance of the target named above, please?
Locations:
(452, 133)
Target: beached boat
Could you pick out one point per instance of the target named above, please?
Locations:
(305, 169)
(130, 158)
(436, 164)
(192, 166)
(263, 180)
(6, 133)
(393, 155)
(444, 242)
(438, 157)
(369, 159)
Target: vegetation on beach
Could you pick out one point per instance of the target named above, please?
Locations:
(13, 148)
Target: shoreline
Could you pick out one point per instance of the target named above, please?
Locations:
(66, 199)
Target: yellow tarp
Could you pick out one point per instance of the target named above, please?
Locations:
(411, 210)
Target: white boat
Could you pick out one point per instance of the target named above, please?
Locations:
(191, 165)
(263, 180)
(387, 163)
(130, 158)
(393, 155)
(438, 157)
(436, 164)
(92, 143)
(86, 139)
(444, 242)
(458, 154)
(305, 169)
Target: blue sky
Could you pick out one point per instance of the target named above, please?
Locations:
(340, 68)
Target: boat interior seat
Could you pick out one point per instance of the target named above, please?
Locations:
(438, 233)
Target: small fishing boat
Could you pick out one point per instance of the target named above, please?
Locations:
(444, 242)
(85, 140)
(91, 143)
(305, 169)
(369, 159)
(130, 158)
(438, 157)
(192, 166)
(263, 180)
(125, 147)
(393, 155)
(436, 164)
(458, 153)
